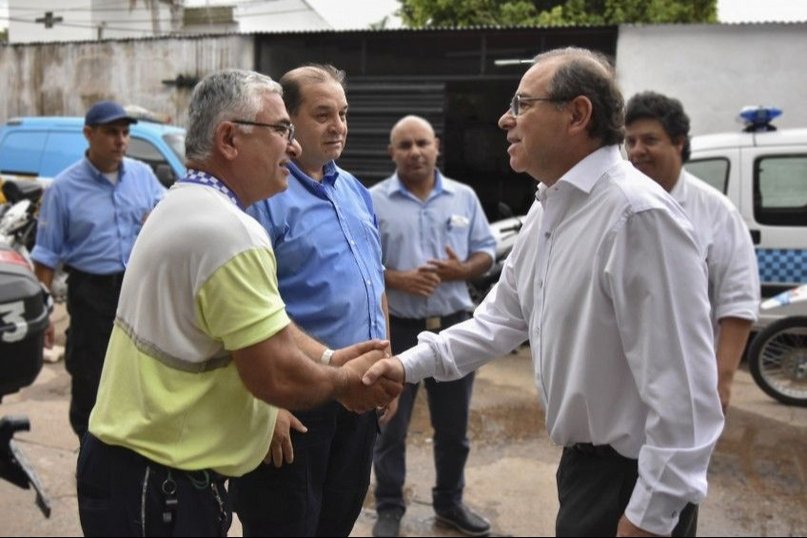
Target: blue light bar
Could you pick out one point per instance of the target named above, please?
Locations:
(758, 118)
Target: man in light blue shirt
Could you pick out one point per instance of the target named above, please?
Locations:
(89, 219)
(323, 231)
(434, 237)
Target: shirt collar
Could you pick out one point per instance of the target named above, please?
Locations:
(440, 186)
(100, 175)
(585, 174)
(329, 176)
(679, 190)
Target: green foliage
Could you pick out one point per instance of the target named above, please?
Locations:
(451, 13)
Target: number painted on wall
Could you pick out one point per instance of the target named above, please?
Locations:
(13, 314)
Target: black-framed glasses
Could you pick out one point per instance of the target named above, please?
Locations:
(515, 102)
(284, 129)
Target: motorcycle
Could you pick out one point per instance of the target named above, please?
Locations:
(777, 357)
(24, 312)
(505, 232)
(18, 219)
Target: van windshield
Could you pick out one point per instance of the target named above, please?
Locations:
(176, 141)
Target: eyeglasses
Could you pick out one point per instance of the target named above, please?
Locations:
(515, 102)
(283, 129)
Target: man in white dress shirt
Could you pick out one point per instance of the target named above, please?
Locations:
(607, 282)
(657, 142)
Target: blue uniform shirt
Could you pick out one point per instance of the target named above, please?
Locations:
(328, 254)
(90, 224)
(414, 231)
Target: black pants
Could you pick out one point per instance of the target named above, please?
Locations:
(91, 303)
(319, 494)
(121, 493)
(594, 488)
(449, 404)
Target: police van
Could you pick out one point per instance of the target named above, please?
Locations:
(763, 170)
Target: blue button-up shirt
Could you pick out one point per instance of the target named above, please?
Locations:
(90, 224)
(414, 231)
(328, 254)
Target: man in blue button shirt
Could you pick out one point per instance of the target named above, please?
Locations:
(324, 234)
(88, 222)
(434, 237)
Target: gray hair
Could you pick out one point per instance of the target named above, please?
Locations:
(591, 74)
(230, 93)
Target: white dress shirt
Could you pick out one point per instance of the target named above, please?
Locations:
(730, 254)
(608, 284)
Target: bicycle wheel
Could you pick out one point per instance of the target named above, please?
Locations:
(778, 360)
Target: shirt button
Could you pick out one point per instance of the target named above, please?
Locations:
(540, 283)
(547, 234)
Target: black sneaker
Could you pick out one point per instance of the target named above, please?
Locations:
(387, 524)
(464, 520)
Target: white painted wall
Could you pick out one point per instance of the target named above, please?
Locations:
(66, 78)
(715, 70)
(83, 20)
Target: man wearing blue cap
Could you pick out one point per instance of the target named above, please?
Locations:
(88, 222)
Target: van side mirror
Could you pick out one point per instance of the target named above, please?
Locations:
(165, 174)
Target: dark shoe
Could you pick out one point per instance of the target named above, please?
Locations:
(387, 524)
(464, 520)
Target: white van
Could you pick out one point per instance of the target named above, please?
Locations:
(764, 172)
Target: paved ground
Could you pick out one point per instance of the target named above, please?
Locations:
(758, 474)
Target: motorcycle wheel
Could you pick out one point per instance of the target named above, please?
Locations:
(778, 360)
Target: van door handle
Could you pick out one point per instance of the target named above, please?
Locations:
(756, 236)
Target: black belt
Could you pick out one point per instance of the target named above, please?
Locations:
(599, 451)
(113, 279)
(433, 323)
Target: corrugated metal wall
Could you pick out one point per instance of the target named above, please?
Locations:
(374, 108)
(66, 78)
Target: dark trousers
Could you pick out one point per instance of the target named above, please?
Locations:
(91, 303)
(594, 488)
(121, 493)
(321, 493)
(449, 404)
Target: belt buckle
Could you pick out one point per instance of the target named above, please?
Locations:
(433, 323)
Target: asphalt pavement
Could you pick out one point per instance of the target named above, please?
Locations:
(758, 475)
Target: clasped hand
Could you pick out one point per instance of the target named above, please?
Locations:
(358, 396)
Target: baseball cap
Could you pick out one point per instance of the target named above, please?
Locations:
(104, 112)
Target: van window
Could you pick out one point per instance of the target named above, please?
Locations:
(714, 171)
(21, 152)
(780, 190)
(64, 149)
(176, 141)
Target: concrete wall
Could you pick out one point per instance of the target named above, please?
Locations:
(715, 70)
(66, 78)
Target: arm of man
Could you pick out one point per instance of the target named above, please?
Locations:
(277, 372)
(655, 258)
(734, 284)
(45, 275)
(452, 268)
(731, 342)
(421, 281)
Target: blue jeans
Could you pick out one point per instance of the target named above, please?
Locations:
(449, 410)
(321, 493)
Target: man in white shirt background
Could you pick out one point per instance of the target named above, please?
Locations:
(657, 142)
(608, 283)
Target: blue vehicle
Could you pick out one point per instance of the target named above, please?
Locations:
(44, 146)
